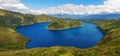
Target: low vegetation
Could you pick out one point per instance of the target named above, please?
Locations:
(13, 44)
(11, 40)
(65, 51)
(13, 19)
(111, 29)
(63, 24)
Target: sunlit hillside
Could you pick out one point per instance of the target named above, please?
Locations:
(13, 44)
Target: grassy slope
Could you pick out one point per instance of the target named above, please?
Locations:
(111, 29)
(66, 51)
(10, 40)
(109, 45)
(63, 24)
(13, 19)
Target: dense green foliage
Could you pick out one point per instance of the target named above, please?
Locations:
(13, 44)
(63, 24)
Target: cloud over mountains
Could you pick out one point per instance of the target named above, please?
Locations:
(109, 6)
(15, 5)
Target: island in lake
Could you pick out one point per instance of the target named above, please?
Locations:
(12, 43)
(63, 24)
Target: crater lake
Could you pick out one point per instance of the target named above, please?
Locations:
(81, 37)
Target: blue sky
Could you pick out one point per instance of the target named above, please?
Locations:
(39, 4)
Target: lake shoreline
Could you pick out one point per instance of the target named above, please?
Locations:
(44, 29)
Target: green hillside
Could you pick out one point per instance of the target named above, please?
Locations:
(11, 40)
(63, 24)
(111, 29)
(109, 45)
(13, 44)
(13, 19)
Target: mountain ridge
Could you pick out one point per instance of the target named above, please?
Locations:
(84, 17)
(13, 44)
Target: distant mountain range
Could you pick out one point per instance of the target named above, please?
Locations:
(82, 17)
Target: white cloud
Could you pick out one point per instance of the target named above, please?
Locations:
(15, 5)
(109, 6)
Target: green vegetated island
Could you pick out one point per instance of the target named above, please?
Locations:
(13, 44)
(63, 24)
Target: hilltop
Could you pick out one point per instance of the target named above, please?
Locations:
(13, 19)
(63, 24)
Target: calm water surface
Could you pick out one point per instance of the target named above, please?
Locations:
(81, 37)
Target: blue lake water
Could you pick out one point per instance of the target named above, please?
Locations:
(81, 37)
